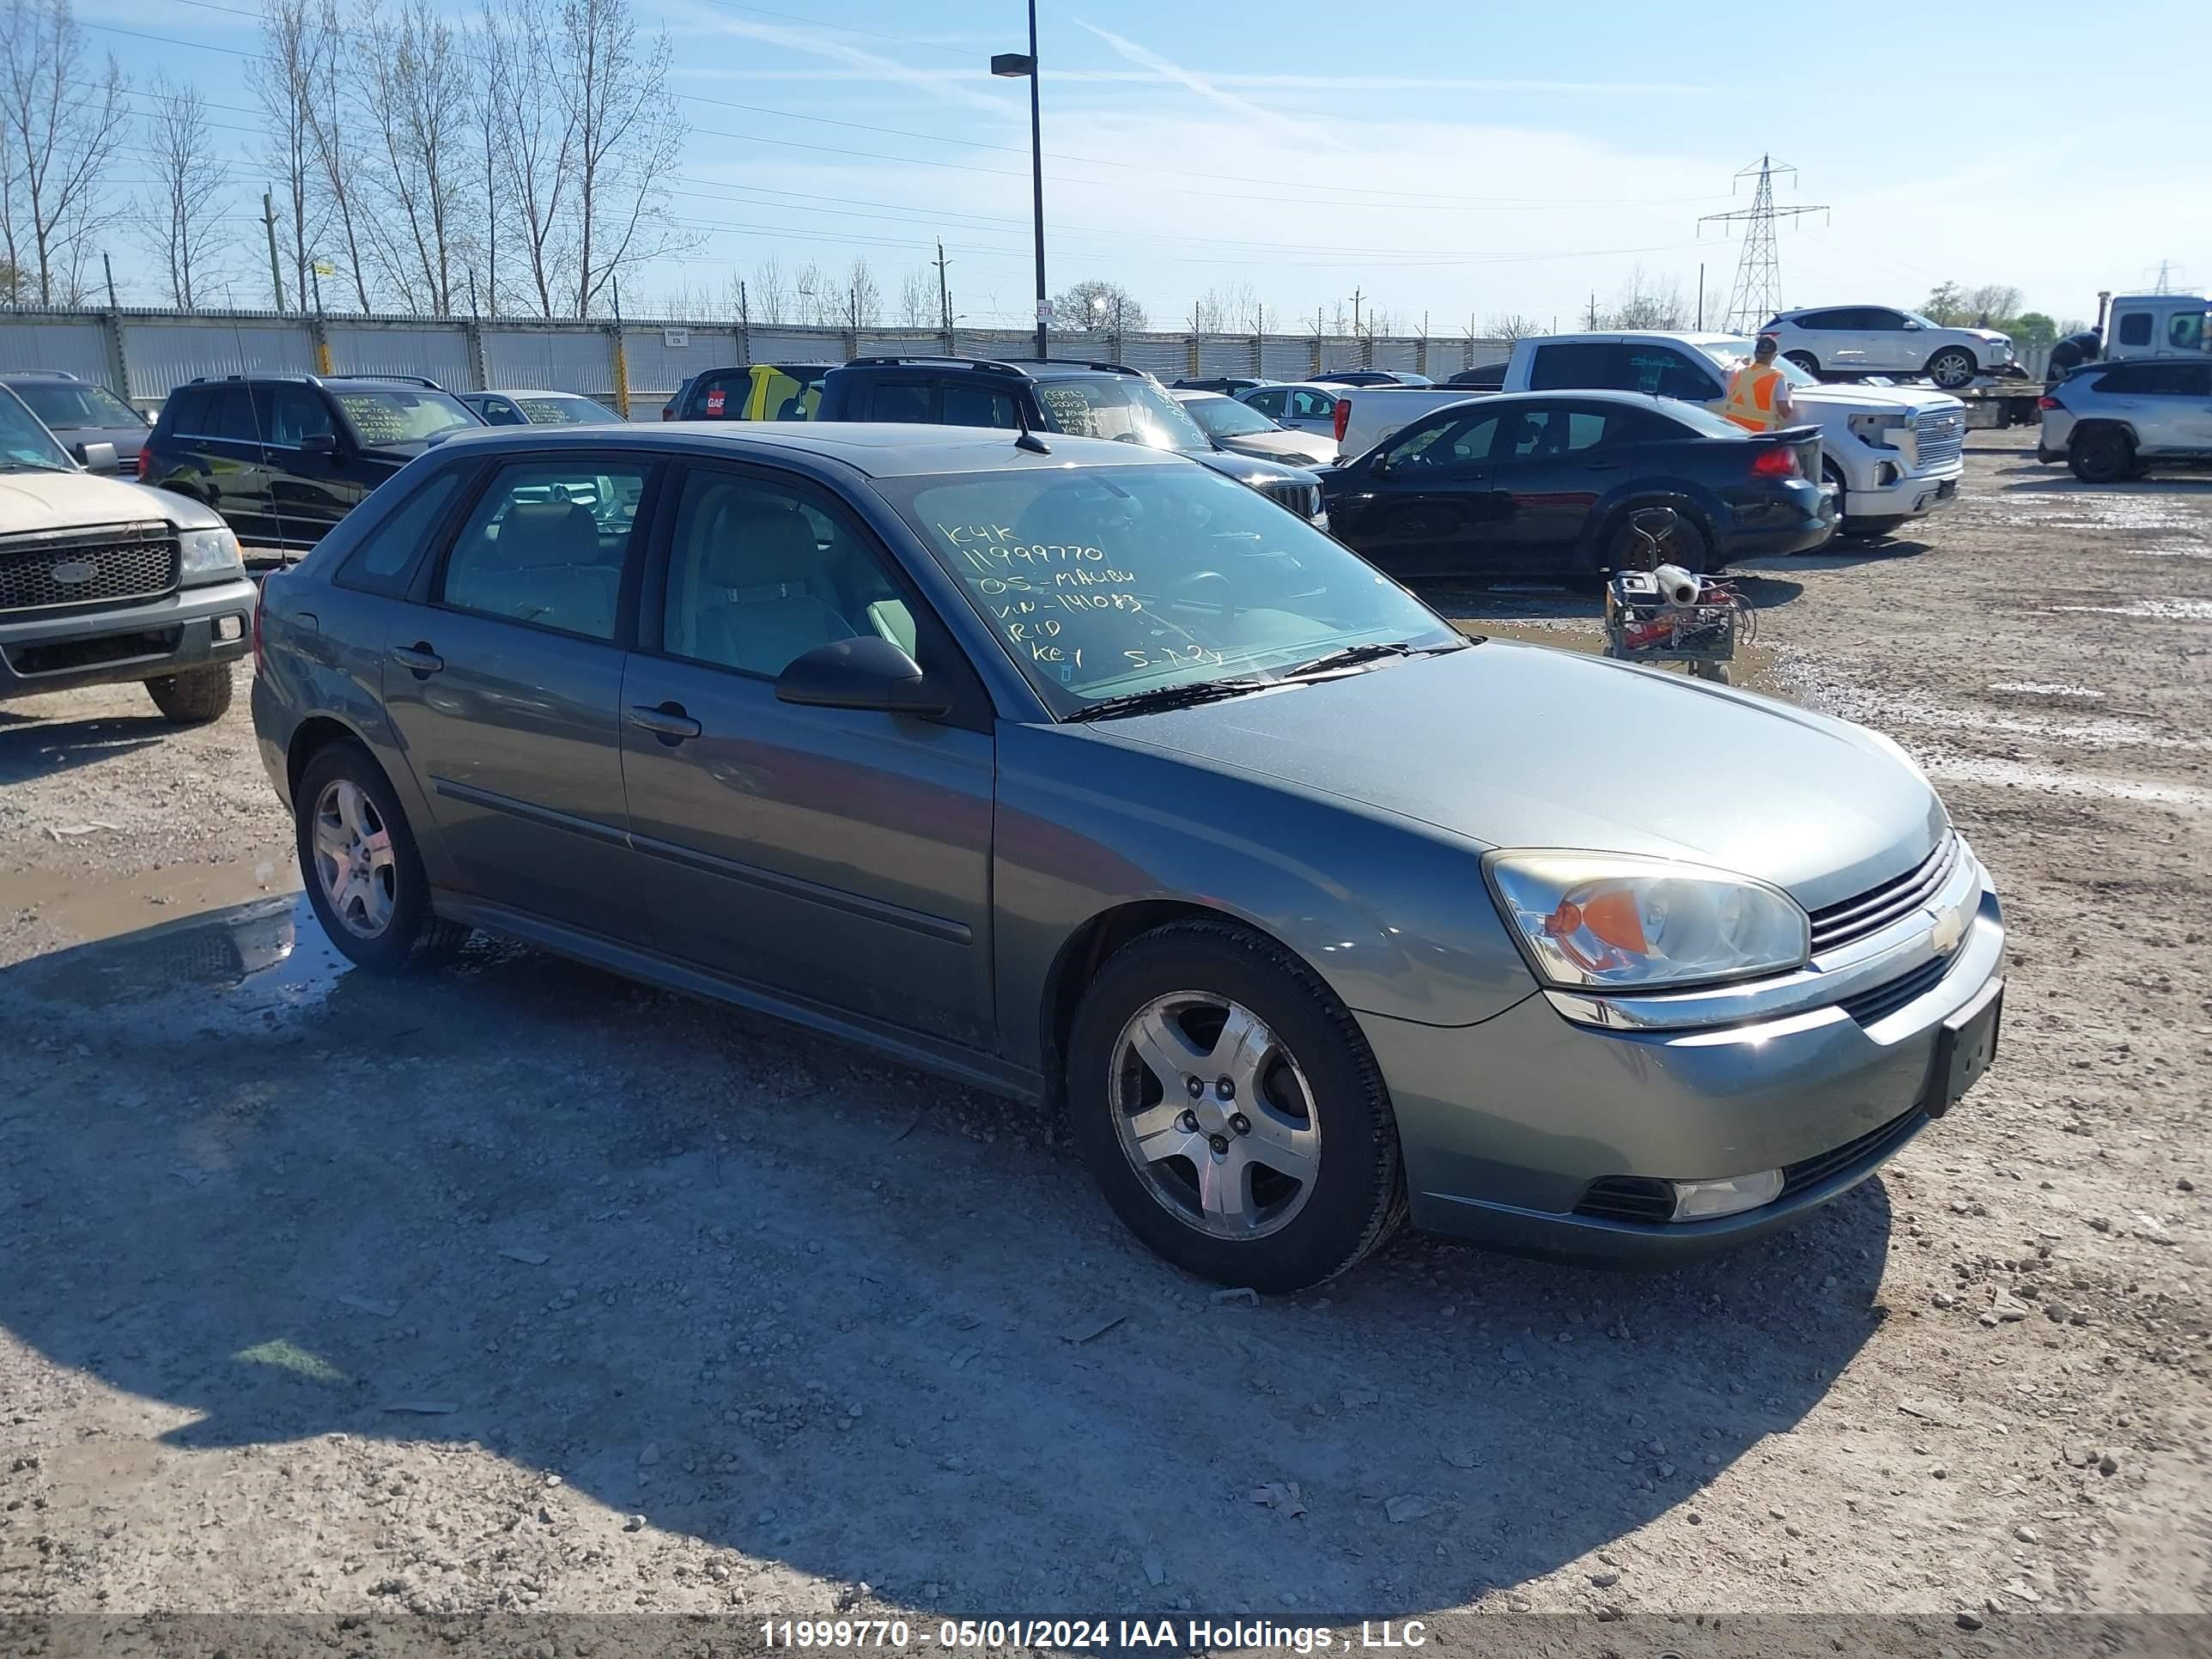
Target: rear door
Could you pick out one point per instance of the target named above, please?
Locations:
(2168, 403)
(223, 459)
(503, 676)
(838, 856)
(1551, 465)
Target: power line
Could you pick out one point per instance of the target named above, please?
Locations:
(1757, 292)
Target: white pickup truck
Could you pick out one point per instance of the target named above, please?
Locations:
(1893, 452)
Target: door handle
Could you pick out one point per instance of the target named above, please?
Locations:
(666, 722)
(1604, 466)
(418, 658)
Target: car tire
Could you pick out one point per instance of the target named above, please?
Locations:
(1804, 359)
(1865, 528)
(194, 697)
(1687, 547)
(1217, 1200)
(1952, 368)
(376, 908)
(2102, 455)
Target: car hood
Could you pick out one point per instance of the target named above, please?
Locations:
(32, 501)
(1250, 469)
(1851, 400)
(1516, 745)
(1301, 449)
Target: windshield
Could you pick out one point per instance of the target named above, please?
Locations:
(1101, 581)
(73, 406)
(555, 408)
(402, 415)
(25, 442)
(1225, 417)
(1127, 407)
(1731, 354)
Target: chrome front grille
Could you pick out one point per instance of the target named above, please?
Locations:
(83, 570)
(1853, 919)
(1939, 435)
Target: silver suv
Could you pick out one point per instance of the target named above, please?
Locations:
(2114, 420)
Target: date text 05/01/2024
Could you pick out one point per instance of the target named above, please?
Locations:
(1162, 1635)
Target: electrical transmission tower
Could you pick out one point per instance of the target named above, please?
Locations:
(1757, 292)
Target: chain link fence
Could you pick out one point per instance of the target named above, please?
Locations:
(139, 354)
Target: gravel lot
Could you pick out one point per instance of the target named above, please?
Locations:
(521, 1287)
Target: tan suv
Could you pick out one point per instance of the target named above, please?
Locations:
(103, 582)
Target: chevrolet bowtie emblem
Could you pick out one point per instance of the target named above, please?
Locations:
(1950, 928)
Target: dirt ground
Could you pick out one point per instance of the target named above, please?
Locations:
(523, 1287)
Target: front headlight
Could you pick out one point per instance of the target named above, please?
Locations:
(209, 552)
(1880, 427)
(1600, 921)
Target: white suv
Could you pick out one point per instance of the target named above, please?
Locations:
(1877, 340)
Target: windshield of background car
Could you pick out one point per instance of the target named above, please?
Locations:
(564, 412)
(73, 406)
(1105, 581)
(1120, 406)
(401, 415)
(1225, 417)
(1733, 354)
(25, 442)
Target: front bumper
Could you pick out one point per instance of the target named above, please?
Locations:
(1505, 1125)
(42, 654)
(1911, 495)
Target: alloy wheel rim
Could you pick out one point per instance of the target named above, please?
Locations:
(1215, 1114)
(354, 863)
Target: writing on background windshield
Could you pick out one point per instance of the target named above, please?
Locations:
(1105, 581)
(1126, 409)
(398, 417)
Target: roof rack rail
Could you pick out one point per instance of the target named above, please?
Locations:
(423, 380)
(271, 374)
(990, 363)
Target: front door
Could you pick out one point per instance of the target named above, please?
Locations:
(838, 856)
(228, 441)
(503, 677)
(1425, 505)
(310, 462)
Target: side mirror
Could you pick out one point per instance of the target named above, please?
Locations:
(320, 443)
(1912, 327)
(868, 672)
(97, 457)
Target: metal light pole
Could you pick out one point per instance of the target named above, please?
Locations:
(1014, 65)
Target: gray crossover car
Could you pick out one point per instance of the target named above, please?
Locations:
(1079, 772)
(2114, 420)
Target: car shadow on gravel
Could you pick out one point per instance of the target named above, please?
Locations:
(32, 748)
(771, 1295)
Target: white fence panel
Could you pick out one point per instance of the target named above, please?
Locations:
(794, 345)
(656, 367)
(1224, 355)
(75, 347)
(1286, 359)
(540, 359)
(1396, 354)
(167, 354)
(1169, 358)
(901, 343)
(1341, 351)
(365, 348)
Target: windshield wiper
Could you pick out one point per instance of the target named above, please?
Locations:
(1169, 697)
(1352, 655)
(12, 463)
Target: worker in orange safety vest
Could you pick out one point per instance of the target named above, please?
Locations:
(1758, 392)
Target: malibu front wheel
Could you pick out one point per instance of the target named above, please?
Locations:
(1231, 1110)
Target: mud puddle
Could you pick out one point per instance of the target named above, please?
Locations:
(97, 904)
(2149, 610)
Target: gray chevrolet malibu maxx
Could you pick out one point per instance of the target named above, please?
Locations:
(1080, 773)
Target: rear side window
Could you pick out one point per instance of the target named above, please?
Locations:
(546, 545)
(1570, 367)
(385, 561)
(1311, 405)
(2158, 380)
(229, 413)
(719, 397)
(968, 405)
(1663, 372)
(2134, 328)
(184, 409)
(902, 400)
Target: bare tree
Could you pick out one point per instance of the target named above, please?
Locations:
(864, 299)
(180, 220)
(536, 161)
(1647, 303)
(918, 298)
(1208, 315)
(1507, 325)
(628, 140)
(819, 303)
(1102, 307)
(65, 120)
(340, 172)
(769, 297)
(1991, 302)
(415, 92)
(285, 78)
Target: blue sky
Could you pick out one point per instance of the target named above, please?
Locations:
(1460, 160)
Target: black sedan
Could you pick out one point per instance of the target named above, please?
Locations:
(1542, 484)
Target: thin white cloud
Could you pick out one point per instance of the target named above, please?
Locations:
(1207, 87)
(1374, 82)
(959, 86)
